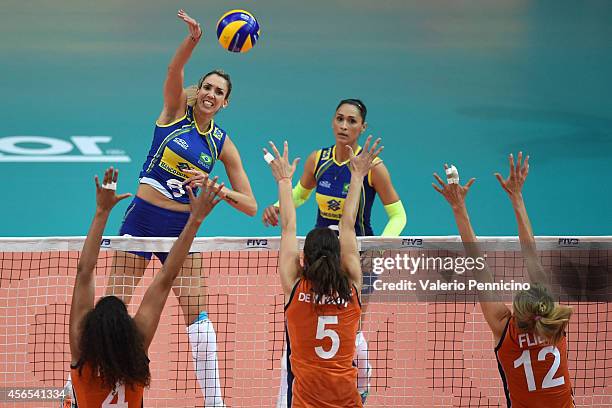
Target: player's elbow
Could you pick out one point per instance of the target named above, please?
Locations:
(252, 210)
(250, 206)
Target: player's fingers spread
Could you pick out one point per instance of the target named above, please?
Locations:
(469, 183)
(207, 180)
(190, 193)
(123, 196)
(97, 182)
(295, 163)
(110, 175)
(375, 145)
(500, 179)
(366, 146)
(351, 152)
(377, 152)
(274, 149)
(438, 189)
(286, 150)
(439, 180)
(219, 188)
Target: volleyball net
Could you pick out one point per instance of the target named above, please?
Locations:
(429, 346)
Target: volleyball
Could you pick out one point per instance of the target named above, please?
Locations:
(237, 31)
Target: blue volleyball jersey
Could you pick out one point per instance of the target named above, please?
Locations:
(333, 180)
(180, 146)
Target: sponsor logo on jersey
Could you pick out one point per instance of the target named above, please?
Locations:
(333, 205)
(325, 184)
(257, 243)
(175, 164)
(218, 133)
(345, 188)
(205, 160)
(325, 154)
(182, 166)
(50, 149)
(181, 142)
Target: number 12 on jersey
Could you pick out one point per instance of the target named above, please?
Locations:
(549, 381)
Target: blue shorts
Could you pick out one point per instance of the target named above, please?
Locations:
(143, 219)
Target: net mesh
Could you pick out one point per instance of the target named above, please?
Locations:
(432, 353)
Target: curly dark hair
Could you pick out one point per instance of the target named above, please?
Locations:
(322, 266)
(112, 345)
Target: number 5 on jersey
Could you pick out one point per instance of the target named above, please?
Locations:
(322, 333)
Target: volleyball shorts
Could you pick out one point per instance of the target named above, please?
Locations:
(143, 219)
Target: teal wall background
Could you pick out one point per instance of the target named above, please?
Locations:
(445, 81)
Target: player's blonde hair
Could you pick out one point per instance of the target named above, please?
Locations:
(535, 311)
(193, 89)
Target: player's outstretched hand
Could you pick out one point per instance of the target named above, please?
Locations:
(270, 215)
(513, 185)
(208, 198)
(451, 190)
(281, 168)
(361, 164)
(106, 196)
(198, 179)
(194, 27)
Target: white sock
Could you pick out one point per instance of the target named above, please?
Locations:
(204, 352)
(281, 401)
(364, 369)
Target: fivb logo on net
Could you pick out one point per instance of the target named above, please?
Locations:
(51, 149)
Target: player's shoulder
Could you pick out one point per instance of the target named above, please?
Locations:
(322, 154)
(217, 132)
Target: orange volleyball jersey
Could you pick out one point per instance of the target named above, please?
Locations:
(320, 350)
(90, 393)
(534, 373)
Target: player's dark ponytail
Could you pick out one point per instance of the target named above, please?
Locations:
(322, 266)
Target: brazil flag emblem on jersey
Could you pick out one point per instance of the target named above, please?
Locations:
(345, 189)
(205, 160)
